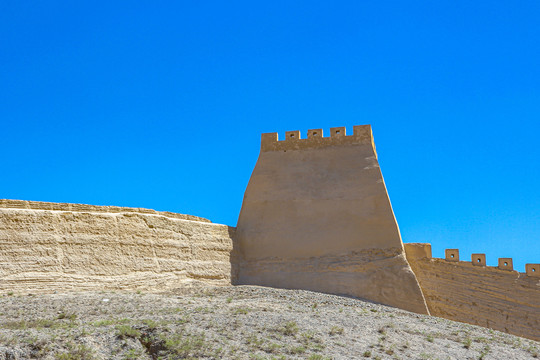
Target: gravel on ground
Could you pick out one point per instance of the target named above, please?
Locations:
(236, 322)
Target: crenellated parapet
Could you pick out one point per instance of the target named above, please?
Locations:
(497, 297)
(362, 135)
(452, 255)
(532, 270)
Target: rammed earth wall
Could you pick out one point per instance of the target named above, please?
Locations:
(46, 247)
(469, 291)
(316, 216)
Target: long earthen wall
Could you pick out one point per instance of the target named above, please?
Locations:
(315, 216)
(468, 291)
(48, 247)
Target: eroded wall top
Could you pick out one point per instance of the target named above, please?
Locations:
(41, 205)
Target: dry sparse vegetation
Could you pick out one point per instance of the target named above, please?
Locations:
(236, 323)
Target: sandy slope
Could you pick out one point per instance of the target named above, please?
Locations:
(243, 322)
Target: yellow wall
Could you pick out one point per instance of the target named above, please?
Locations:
(316, 216)
(503, 300)
(91, 248)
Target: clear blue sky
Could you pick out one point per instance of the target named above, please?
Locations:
(161, 105)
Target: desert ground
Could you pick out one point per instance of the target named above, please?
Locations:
(236, 322)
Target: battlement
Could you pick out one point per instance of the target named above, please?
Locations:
(362, 135)
(423, 251)
(497, 297)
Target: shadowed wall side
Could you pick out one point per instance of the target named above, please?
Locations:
(316, 216)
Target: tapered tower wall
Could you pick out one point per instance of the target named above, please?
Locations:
(316, 216)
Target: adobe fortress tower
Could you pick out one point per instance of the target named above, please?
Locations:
(316, 216)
